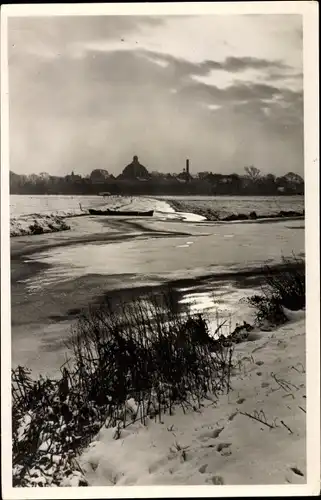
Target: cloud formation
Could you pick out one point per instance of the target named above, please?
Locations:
(89, 93)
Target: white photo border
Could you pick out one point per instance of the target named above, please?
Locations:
(309, 12)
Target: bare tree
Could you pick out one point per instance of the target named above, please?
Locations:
(252, 172)
(293, 178)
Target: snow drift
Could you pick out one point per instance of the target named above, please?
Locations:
(37, 224)
(254, 435)
(51, 216)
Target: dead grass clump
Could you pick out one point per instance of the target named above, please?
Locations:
(285, 288)
(126, 366)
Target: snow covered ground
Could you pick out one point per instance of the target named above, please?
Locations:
(254, 435)
(45, 209)
(37, 224)
(49, 212)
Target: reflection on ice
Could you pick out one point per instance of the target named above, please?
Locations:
(198, 301)
(172, 258)
(223, 304)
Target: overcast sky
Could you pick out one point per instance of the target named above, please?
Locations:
(90, 92)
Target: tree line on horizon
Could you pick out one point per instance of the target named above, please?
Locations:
(252, 182)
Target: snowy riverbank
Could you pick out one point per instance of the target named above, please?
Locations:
(37, 224)
(198, 207)
(184, 448)
(54, 218)
(253, 435)
(46, 214)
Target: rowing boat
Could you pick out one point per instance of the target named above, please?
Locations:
(127, 213)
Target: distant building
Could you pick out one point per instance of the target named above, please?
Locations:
(73, 177)
(135, 171)
(99, 176)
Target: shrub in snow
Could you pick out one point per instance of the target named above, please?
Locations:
(127, 366)
(147, 353)
(44, 446)
(39, 225)
(284, 288)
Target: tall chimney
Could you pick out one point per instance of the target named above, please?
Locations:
(187, 167)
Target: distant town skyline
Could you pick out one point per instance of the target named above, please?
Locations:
(92, 92)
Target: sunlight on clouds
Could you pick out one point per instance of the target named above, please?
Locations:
(159, 62)
(197, 38)
(98, 90)
(101, 46)
(214, 107)
(223, 79)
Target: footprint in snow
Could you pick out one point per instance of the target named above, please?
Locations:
(218, 480)
(223, 449)
(221, 446)
(211, 434)
(282, 344)
(217, 432)
(208, 445)
(203, 468)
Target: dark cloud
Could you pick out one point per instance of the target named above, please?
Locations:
(79, 113)
(109, 73)
(242, 63)
(276, 76)
(234, 93)
(230, 64)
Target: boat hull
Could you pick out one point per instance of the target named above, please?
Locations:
(127, 213)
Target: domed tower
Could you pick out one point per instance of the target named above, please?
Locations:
(135, 170)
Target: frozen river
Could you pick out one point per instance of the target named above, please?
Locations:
(210, 265)
(206, 248)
